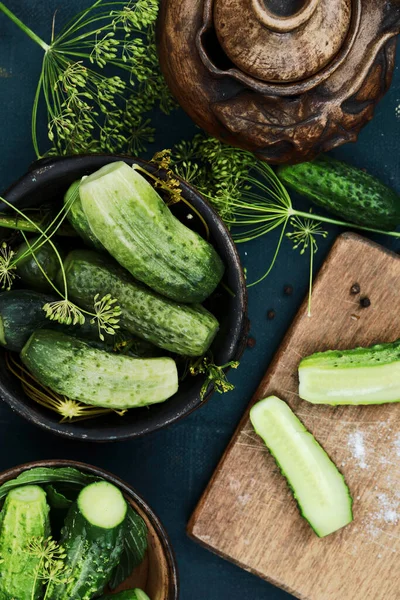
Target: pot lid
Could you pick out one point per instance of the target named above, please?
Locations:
(264, 40)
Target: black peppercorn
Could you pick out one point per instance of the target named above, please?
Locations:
(251, 342)
(365, 302)
(288, 290)
(271, 315)
(355, 289)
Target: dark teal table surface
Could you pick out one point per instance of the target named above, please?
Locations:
(172, 467)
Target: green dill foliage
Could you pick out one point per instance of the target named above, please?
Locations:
(100, 78)
(214, 374)
(51, 568)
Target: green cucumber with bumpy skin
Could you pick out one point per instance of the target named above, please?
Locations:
(179, 328)
(127, 595)
(23, 519)
(77, 217)
(138, 229)
(319, 488)
(360, 376)
(71, 367)
(28, 269)
(93, 540)
(345, 191)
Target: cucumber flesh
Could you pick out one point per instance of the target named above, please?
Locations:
(77, 217)
(353, 377)
(319, 488)
(102, 505)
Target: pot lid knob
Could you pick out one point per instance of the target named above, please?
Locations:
(281, 41)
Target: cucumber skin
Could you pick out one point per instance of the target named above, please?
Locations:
(71, 367)
(344, 191)
(376, 356)
(149, 241)
(21, 313)
(77, 217)
(92, 553)
(186, 330)
(28, 270)
(18, 568)
(127, 595)
(292, 489)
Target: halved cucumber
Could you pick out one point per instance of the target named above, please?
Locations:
(359, 376)
(319, 488)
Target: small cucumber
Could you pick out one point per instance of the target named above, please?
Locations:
(137, 228)
(359, 376)
(71, 367)
(319, 488)
(127, 595)
(77, 217)
(24, 519)
(345, 191)
(28, 270)
(187, 330)
(93, 539)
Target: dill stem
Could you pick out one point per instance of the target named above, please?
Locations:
(313, 217)
(24, 28)
(310, 286)
(31, 226)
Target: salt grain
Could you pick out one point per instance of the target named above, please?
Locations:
(357, 447)
(397, 444)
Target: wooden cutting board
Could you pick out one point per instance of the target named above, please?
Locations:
(247, 513)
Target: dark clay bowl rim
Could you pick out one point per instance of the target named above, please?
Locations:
(129, 491)
(46, 171)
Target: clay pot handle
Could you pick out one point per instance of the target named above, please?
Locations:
(284, 24)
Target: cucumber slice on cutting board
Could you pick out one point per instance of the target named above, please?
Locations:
(319, 488)
(359, 376)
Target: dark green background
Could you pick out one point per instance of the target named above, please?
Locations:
(172, 467)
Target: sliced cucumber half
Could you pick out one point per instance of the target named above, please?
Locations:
(319, 488)
(359, 376)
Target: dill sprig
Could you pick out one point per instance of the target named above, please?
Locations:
(215, 374)
(7, 267)
(51, 567)
(100, 77)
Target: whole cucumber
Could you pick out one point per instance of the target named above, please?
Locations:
(28, 269)
(77, 217)
(23, 520)
(344, 191)
(138, 229)
(179, 328)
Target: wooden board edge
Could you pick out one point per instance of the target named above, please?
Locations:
(335, 249)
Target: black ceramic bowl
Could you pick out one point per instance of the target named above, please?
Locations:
(158, 574)
(47, 182)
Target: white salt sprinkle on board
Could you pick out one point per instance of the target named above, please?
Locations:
(357, 447)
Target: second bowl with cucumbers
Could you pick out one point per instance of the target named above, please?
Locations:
(129, 295)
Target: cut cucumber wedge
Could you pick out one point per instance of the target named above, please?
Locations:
(319, 488)
(359, 376)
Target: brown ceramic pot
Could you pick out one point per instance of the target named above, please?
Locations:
(157, 575)
(285, 79)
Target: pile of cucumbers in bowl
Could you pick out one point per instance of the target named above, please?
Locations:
(106, 324)
(67, 535)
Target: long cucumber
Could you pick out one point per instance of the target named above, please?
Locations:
(319, 488)
(92, 538)
(71, 367)
(128, 216)
(187, 330)
(359, 376)
(24, 520)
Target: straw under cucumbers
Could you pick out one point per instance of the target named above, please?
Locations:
(93, 539)
(319, 488)
(128, 216)
(359, 376)
(71, 367)
(187, 330)
(345, 191)
(23, 519)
